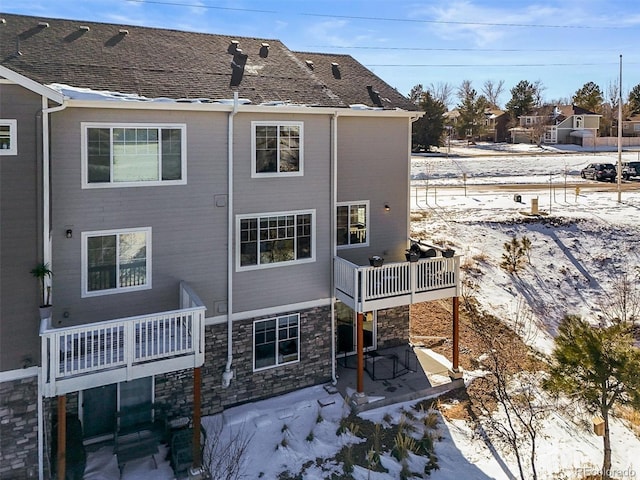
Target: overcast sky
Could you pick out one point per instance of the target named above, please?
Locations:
(563, 44)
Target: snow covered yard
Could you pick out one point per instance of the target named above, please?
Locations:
(579, 248)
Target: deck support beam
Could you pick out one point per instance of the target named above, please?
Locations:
(360, 348)
(456, 334)
(197, 382)
(61, 461)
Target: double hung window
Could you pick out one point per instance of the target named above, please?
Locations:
(116, 261)
(133, 155)
(277, 149)
(8, 137)
(279, 238)
(276, 341)
(352, 223)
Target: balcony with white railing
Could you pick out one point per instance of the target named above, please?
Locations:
(101, 353)
(367, 288)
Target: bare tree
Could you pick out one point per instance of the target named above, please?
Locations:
(443, 92)
(514, 387)
(492, 91)
(622, 305)
(539, 88)
(225, 451)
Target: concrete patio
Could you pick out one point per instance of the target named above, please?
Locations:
(395, 375)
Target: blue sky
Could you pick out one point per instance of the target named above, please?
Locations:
(563, 44)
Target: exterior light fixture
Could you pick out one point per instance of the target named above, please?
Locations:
(69, 233)
(387, 207)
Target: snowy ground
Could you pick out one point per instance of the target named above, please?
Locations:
(580, 245)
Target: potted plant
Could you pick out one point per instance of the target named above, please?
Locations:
(41, 272)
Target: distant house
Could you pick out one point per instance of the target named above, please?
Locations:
(209, 205)
(556, 124)
(631, 127)
(495, 125)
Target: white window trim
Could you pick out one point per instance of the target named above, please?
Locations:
(255, 174)
(85, 263)
(13, 137)
(85, 154)
(355, 245)
(253, 344)
(258, 216)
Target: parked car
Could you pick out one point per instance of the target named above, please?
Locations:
(599, 171)
(630, 169)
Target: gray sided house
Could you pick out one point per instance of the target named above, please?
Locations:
(560, 124)
(208, 206)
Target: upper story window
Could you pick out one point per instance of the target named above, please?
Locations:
(579, 121)
(116, 261)
(275, 239)
(133, 155)
(8, 137)
(277, 149)
(276, 341)
(352, 222)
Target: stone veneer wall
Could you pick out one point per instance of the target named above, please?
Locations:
(19, 428)
(314, 367)
(393, 327)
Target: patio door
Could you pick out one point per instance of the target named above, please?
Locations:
(346, 322)
(98, 406)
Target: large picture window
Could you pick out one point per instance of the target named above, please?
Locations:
(130, 155)
(8, 137)
(116, 261)
(279, 238)
(276, 148)
(352, 221)
(276, 341)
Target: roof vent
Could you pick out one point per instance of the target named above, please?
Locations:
(84, 28)
(264, 50)
(2, 21)
(374, 95)
(43, 24)
(309, 64)
(123, 31)
(335, 69)
(233, 46)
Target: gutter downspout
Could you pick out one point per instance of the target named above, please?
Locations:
(334, 249)
(227, 375)
(46, 251)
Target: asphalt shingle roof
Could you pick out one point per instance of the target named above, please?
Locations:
(155, 62)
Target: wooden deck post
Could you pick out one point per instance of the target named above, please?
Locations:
(62, 436)
(360, 348)
(456, 333)
(197, 456)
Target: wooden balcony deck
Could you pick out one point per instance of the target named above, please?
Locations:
(367, 288)
(101, 353)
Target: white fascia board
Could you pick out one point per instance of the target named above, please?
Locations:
(32, 85)
(219, 107)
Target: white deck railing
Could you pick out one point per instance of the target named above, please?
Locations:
(396, 283)
(99, 353)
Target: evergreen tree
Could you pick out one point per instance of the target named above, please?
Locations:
(598, 366)
(427, 131)
(525, 97)
(634, 100)
(471, 108)
(589, 97)
(415, 95)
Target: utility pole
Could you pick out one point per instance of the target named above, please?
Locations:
(619, 173)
